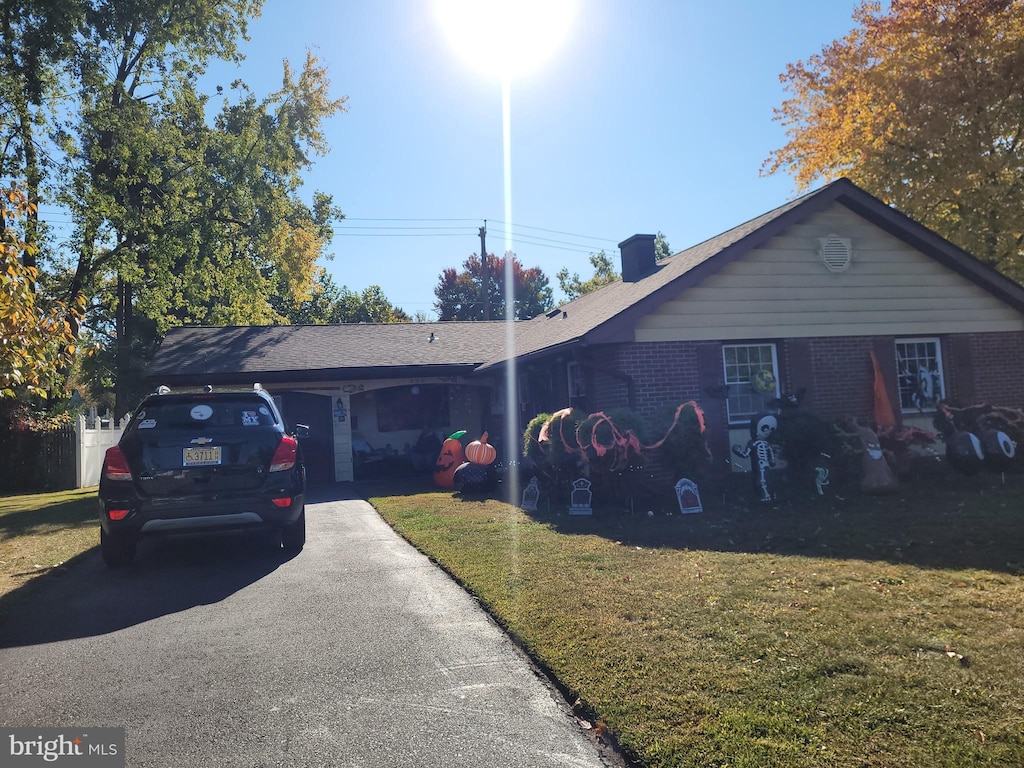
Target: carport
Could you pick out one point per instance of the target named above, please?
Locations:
(376, 384)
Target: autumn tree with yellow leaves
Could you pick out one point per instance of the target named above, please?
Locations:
(35, 334)
(923, 106)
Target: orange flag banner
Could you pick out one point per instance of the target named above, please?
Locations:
(884, 416)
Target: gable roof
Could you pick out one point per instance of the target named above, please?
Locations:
(609, 314)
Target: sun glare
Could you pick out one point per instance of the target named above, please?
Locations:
(507, 38)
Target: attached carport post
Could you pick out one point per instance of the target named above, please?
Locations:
(342, 421)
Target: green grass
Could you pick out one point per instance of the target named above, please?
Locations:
(40, 532)
(842, 632)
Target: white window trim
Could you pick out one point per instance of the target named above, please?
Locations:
(938, 362)
(745, 418)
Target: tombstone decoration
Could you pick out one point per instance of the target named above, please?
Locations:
(688, 497)
(474, 478)
(964, 452)
(581, 497)
(760, 453)
(531, 495)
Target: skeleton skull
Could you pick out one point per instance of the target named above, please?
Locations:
(764, 426)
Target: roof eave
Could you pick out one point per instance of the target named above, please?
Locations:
(301, 376)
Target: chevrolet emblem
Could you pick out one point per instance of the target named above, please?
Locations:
(201, 440)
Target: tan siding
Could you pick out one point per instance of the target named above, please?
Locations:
(783, 290)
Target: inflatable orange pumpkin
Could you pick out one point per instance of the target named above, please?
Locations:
(480, 452)
(449, 460)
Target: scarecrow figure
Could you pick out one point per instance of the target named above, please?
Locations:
(760, 452)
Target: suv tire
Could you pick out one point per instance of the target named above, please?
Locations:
(293, 535)
(117, 550)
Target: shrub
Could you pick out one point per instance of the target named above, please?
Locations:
(803, 437)
(683, 451)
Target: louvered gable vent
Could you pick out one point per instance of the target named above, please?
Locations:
(836, 252)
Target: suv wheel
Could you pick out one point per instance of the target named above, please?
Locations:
(293, 535)
(117, 550)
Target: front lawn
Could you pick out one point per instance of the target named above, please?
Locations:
(840, 632)
(39, 532)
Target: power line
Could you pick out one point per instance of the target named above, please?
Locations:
(344, 228)
(535, 240)
(348, 218)
(559, 232)
(345, 233)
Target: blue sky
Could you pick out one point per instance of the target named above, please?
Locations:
(652, 115)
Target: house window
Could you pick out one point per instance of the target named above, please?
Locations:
(524, 393)
(919, 365)
(577, 383)
(423, 406)
(751, 378)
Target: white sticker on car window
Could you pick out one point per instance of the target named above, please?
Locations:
(201, 412)
(147, 424)
(264, 410)
(250, 419)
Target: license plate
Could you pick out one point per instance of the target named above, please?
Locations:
(201, 457)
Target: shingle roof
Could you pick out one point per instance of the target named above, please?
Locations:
(258, 350)
(381, 349)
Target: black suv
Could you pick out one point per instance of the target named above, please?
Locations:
(207, 461)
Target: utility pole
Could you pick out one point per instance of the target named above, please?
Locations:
(483, 271)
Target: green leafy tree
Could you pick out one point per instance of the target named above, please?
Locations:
(923, 106)
(368, 306)
(36, 40)
(604, 273)
(327, 303)
(460, 295)
(178, 221)
(662, 250)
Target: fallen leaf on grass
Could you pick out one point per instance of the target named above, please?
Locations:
(980, 735)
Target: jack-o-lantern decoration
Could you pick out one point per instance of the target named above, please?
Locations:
(480, 451)
(449, 460)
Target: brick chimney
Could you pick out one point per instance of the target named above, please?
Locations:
(637, 257)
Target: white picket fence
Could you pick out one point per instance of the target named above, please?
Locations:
(95, 434)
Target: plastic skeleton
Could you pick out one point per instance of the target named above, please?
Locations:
(760, 452)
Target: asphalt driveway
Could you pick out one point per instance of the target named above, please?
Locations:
(220, 652)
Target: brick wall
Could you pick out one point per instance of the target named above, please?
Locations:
(841, 377)
(664, 372)
(995, 369)
(836, 371)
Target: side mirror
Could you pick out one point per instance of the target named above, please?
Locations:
(301, 430)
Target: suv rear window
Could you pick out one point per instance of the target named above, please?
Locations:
(195, 413)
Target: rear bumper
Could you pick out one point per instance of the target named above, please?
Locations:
(192, 515)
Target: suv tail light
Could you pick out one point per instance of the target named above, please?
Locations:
(115, 465)
(285, 455)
